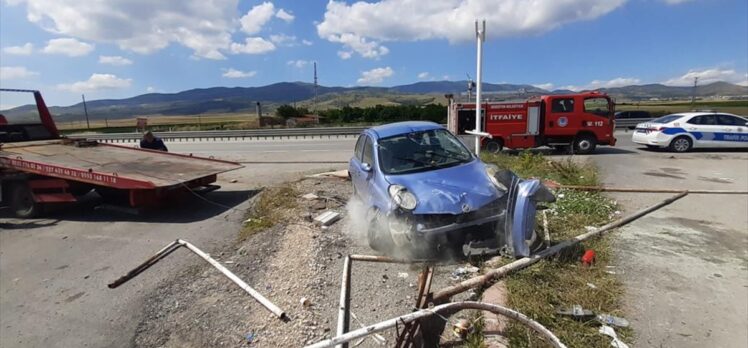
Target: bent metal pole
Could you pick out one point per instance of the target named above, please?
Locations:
(447, 307)
(171, 247)
(522, 263)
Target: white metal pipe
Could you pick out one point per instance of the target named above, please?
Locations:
(343, 310)
(480, 36)
(447, 307)
(252, 292)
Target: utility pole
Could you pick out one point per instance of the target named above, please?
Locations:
(315, 87)
(693, 94)
(480, 35)
(85, 110)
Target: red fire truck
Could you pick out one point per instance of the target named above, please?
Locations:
(579, 122)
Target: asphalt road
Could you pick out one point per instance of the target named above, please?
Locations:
(53, 272)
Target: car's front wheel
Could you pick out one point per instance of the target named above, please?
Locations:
(378, 234)
(681, 144)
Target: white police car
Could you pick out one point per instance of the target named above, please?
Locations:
(683, 131)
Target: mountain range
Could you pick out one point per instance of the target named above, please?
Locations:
(243, 99)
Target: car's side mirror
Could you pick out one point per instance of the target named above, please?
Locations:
(366, 167)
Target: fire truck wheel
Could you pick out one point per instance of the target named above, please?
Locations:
(584, 144)
(22, 201)
(493, 146)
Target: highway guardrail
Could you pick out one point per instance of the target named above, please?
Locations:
(280, 133)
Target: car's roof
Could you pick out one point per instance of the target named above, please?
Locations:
(691, 114)
(392, 129)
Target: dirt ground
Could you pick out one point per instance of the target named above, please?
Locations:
(286, 263)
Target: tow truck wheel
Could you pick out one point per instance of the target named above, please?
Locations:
(585, 144)
(493, 146)
(22, 201)
(681, 144)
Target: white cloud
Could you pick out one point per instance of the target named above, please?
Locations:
(68, 46)
(707, 76)
(253, 45)
(237, 74)
(362, 26)
(675, 2)
(150, 89)
(375, 76)
(282, 14)
(299, 63)
(15, 72)
(142, 26)
(616, 82)
(345, 54)
(96, 82)
(257, 17)
(114, 60)
(546, 86)
(306, 42)
(423, 75)
(24, 50)
(283, 40)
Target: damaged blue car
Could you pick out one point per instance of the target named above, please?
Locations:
(427, 195)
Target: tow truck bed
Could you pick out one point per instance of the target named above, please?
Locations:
(109, 165)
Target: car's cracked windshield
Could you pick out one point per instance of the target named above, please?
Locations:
(421, 151)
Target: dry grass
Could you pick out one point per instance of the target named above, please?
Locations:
(249, 120)
(562, 281)
(269, 209)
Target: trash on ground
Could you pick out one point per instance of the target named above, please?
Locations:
(609, 331)
(589, 257)
(577, 312)
(310, 196)
(402, 275)
(305, 302)
(461, 272)
(592, 286)
(327, 218)
(340, 174)
(250, 337)
(612, 320)
(462, 328)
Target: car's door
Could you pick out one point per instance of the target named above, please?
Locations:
(354, 167)
(734, 131)
(704, 129)
(368, 168)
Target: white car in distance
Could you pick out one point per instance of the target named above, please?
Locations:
(682, 132)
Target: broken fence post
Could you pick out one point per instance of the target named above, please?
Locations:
(522, 263)
(171, 247)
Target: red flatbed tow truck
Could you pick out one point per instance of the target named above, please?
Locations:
(38, 167)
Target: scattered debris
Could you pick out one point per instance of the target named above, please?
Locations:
(577, 312)
(461, 272)
(305, 302)
(592, 286)
(402, 275)
(327, 218)
(233, 181)
(250, 337)
(310, 196)
(589, 257)
(611, 320)
(462, 328)
(339, 174)
(609, 331)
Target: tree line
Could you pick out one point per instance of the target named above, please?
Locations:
(376, 114)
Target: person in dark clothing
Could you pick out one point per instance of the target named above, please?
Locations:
(151, 142)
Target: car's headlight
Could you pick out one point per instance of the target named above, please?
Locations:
(491, 171)
(402, 197)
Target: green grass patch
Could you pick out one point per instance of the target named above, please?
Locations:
(269, 209)
(562, 281)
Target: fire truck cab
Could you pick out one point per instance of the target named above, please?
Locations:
(580, 121)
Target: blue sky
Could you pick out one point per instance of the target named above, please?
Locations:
(122, 48)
